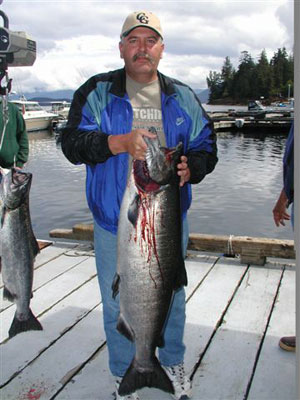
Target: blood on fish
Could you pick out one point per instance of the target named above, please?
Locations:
(147, 215)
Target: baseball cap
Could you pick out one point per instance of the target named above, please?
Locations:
(141, 18)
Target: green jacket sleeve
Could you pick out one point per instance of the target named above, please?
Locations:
(22, 155)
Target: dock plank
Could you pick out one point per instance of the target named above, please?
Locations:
(63, 359)
(59, 319)
(232, 352)
(228, 304)
(268, 383)
(94, 382)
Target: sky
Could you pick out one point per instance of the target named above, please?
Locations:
(78, 39)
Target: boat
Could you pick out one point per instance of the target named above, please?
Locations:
(284, 107)
(255, 105)
(61, 108)
(35, 116)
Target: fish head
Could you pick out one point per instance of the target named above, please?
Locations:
(15, 188)
(159, 167)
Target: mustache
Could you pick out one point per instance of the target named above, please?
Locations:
(142, 54)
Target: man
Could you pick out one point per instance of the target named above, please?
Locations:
(280, 214)
(109, 116)
(14, 147)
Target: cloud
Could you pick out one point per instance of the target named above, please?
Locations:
(76, 39)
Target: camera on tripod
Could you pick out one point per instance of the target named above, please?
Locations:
(17, 49)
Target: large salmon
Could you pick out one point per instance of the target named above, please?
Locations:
(18, 248)
(150, 262)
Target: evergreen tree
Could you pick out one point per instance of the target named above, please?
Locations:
(263, 77)
(280, 69)
(253, 80)
(243, 80)
(290, 77)
(227, 76)
(214, 83)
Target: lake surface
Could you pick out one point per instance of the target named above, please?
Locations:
(237, 198)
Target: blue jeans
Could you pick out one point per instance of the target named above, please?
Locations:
(120, 349)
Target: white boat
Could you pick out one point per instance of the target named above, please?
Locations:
(35, 116)
(256, 105)
(285, 105)
(61, 108)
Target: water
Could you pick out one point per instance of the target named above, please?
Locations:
(237, 198)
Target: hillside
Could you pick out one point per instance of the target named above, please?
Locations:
(45, 98)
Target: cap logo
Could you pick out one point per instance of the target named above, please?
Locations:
(142, 17)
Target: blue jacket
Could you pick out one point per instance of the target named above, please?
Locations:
(288, 166)
(101, 107)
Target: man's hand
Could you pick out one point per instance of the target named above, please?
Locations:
(136, 145)
(280, 210)
(183, 171)
(132, 143)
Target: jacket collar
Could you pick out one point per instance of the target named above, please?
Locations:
(118, 86)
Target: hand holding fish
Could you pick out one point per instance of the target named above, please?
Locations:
(136, 145)
(132, 143)
(183, 171)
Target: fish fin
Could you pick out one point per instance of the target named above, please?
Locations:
(8, 295)
(36, 247)
(115, 285)
(133, 210)
(181, 276)
(136, 378)
(31, 324)
(124, 328)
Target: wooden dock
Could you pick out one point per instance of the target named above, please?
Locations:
(248, 121)
(254, 250)
(236, 314)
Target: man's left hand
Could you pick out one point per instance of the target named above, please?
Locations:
(183, 171)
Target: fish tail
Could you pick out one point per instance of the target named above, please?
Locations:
(30, 324)
(135, 378)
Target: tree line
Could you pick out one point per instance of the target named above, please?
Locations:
(272, 80)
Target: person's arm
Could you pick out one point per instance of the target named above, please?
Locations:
(83, 142)
(202, 150)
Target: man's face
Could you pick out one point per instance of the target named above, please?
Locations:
(141, 50)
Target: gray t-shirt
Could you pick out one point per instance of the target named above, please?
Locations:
(145, 99)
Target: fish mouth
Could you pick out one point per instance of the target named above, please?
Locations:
(19, 178)
(142, 177)
(151, 177)
(159, 166)
(16, 187)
